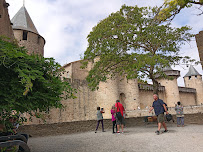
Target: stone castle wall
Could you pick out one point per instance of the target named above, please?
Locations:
(5, 23)
(199, 40)
(34, 43)
(84, 107)
(188, 99)
(146, 98)
(79, 109)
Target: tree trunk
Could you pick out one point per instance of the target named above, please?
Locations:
(155, 86)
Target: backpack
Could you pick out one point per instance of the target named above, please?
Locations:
(166, 106)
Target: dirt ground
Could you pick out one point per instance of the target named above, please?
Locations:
(134, 139)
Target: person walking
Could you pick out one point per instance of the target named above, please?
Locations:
(179, 114)
(100, 118)
(113, 113)
(159, 108)
(119, 121)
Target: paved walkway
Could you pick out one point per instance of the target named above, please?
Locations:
(138, 139)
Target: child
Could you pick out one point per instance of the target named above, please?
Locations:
(113, 113)
(99, 119)
(179, 114)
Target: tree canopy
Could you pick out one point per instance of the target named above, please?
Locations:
(29, 83)
(131, 42)
(171, 8)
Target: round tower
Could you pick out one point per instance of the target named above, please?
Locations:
(106, 96)
(171, 86)
(129, 94)
(26, 33)
(194, 80)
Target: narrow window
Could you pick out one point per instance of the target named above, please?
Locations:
(38, 39)
(24, 35)
(189, 77)
(68, 74)
(195, 76)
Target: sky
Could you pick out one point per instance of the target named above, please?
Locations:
(65, 25)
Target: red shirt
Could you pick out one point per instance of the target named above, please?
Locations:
(119, 107)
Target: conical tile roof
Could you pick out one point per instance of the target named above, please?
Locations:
(192, 72)
(23, 21)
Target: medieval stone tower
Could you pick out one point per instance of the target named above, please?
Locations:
(5, 23)
(199, 39)
(194, 80)
(26, 33)
(171, 86)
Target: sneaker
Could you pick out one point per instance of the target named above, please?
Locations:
(157, 132)
(165, 131)
(118, 132)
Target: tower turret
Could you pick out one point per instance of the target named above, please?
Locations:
(26, 33)
(194, 80)
(171, 86)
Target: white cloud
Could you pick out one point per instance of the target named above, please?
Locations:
(65, 24)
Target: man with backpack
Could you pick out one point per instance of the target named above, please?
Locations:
(120, 115)
(159, 107)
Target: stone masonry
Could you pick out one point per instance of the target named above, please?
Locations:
(199, 40)
(5, 23)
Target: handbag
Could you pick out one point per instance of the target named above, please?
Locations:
(118, 114)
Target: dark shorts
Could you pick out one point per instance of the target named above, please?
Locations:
(160, 118)
(120, 121)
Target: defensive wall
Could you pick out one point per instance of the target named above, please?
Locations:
(84, 107)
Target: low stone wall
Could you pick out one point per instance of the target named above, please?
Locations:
(90, 125)
(171, 110)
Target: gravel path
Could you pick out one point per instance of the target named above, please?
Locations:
(137, 139)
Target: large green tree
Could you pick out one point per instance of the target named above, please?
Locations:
(29, 83)
(132, 43)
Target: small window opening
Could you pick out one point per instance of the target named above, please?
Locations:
(189, 77)
(38, 39)
(68, 74)
(195, 76)
(25, 35)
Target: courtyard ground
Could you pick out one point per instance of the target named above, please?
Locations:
(134, 139)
